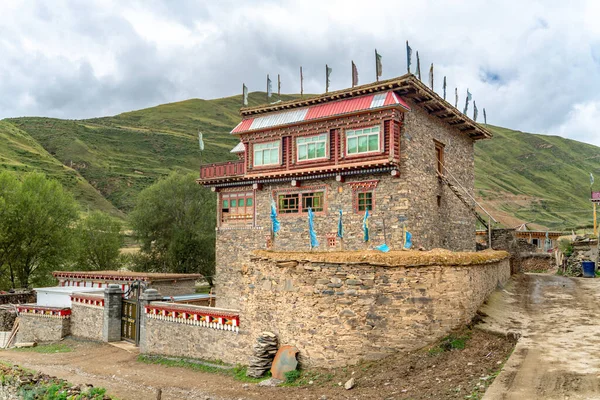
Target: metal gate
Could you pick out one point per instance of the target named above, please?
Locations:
(130, 321)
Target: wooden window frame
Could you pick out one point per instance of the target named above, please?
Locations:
(270, 165)
(307, 160)
(357, 200)
(439, 158)
(237, 218)
(300, 193)
(380, 144)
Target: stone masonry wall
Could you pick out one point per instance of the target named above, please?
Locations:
(174, 287)
(35, 328)
(339, 313)
(450, 225)
(86, 321)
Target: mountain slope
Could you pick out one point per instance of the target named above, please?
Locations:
(543, 179)
(520, 177)
(20, 153)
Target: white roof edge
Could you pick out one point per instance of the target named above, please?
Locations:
(239, 148)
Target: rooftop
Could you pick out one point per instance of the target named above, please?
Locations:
(124, 275)
(407, 86)
(394, 258)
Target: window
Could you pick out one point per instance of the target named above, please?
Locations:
(311, 147)
(439, 154)
(312, 200)
(299, 202)
(288, 203)
(237, 207)
(365, 201)
(266, 153)
(362, 140)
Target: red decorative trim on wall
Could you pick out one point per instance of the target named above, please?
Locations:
(364, 184)
(45, 312)
(206, 317)
(97, 301)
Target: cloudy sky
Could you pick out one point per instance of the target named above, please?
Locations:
(534, 65)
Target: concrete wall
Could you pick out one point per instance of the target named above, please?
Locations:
(338, 313)
(36, 328)
(86, 321)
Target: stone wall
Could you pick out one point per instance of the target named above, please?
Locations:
(174, 287)
(340, 308)
(86, 321)
(39, 328)
(8, 314)
(18, 298)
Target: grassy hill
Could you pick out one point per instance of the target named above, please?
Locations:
(106, 161)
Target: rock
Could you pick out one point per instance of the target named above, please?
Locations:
(323, 397)
(349, 384)
(264, 350)
(270, 382)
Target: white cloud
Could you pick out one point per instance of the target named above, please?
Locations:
(527, 63)
(582, 123)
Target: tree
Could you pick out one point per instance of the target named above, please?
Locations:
(36, 227)
(175, 223)
(98, 242)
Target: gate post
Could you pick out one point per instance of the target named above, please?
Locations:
(146, 298)
(113, 303)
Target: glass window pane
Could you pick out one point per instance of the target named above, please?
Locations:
(249, 201)
(321, 149)
(225, 203)
(352, 145)
(373, 142)
(275, 156)
(311, 151)
(362, 144)
(302, 152)
(233, 203)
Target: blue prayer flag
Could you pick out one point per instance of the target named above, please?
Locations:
(340, 232)
(408, 240)
(366, 226)
(274, 217)
(383, 248)
(311, 229)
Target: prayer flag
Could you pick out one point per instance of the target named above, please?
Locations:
(200, 141)
(340, 231)
(431, 76)
(378, 67)
(269, 88)
(278, 86)
(591, 179)
(484, 117)
(301, 83)
(244, 95)
(467, 102)
(354, 75)
(311, 229)
(366, 226)
(274, 221)
(455, 97)
(327, 75)
(418, 66)
(407, 240)
(383, 248)
(475, 111)
(444, 88)
(408, 56)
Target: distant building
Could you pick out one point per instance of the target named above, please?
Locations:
(389, 147)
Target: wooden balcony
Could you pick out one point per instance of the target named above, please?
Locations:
(222, 170)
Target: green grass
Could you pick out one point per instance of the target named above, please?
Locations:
(47, 348)
(449, 343)
(105, 162)
(238, 372)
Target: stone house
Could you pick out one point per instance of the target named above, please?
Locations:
(393, 147)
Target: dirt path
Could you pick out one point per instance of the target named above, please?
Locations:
(558, 354)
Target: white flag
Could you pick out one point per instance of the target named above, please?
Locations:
(200, 141)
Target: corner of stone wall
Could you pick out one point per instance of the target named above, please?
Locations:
(113, 306)
(146, 298)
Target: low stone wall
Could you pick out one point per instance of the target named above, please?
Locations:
(18, 298)
(43, 324)
(193, 331)
(8, 314)
(87, 317)
(337, 308)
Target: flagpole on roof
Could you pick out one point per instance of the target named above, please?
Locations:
(378, 66)
(431, 76)
(301, 83)
(278, 87)
(444, 88)
(455, 97)
(418, 72)
(408, 57)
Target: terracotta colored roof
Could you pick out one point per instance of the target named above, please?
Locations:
(406, 86)
(123, 275)
(339, 107)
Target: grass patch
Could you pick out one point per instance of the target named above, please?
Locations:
(449, 343)
(237, 372)
(47, 348)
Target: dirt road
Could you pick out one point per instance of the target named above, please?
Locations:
(558, 354)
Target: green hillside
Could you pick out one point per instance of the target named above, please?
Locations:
(106, 161)
(542, 179)
(21, 153)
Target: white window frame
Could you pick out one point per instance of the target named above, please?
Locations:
(320, 138)
(266, 146)
(356, 133)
